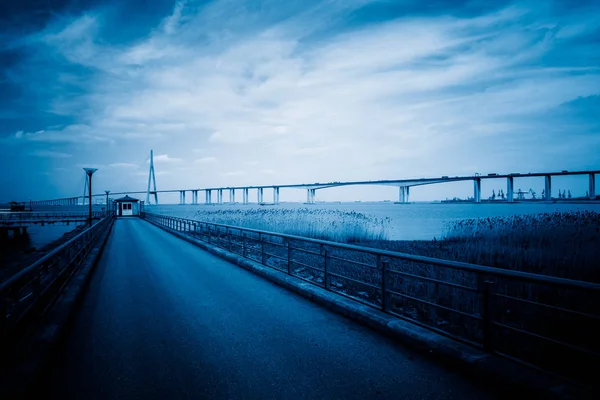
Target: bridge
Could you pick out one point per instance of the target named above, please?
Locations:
(403, 185)
(179, 308)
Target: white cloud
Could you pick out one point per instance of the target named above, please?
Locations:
(165, 159)
(123, 165)
(234, 173)
(51, 154)
(205, 160)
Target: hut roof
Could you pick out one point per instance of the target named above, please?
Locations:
(126, 199)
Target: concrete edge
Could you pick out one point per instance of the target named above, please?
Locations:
(499, 372)
(37, 350)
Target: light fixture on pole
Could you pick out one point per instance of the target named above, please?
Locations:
(107, 210)
(89, 172)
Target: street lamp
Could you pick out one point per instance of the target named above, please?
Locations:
(107, 192)
(89, 172)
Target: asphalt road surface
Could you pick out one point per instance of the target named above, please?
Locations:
(163, 319)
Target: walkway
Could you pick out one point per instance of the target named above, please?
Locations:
(163, 319)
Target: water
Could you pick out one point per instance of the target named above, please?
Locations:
(42, 235)
(416, 221)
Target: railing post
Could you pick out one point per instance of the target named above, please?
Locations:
(325, 269)
(384, 283)
(244, 253)
(262, 248)
(485, 286)
(228, 239)
(289, 256)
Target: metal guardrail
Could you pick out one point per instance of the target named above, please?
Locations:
(26, 294)
(547, 322)
(38, 217)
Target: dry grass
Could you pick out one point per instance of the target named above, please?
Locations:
(334, 225)
(564, 244)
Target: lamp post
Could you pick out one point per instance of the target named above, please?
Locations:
(89, 172)
(107, 210)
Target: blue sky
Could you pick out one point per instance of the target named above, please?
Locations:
(270, 92)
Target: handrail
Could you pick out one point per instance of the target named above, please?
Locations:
(26, 293)
(502, 307)
(412, 257)
(31, 268)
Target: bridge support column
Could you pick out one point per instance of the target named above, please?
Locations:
(260, 195)
(510, 191)
(592, 189)
(548, 187)
(275, 195)
(310, 196)
(194, 197)
(477, 190)
(220, 196)
(245, 196)
(182, 197)
(403, 194)
(232, 196)
(208, 197)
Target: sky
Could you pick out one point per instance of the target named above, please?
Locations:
(232, 93)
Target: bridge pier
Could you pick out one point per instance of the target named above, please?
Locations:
(232, 196)
(260, 195)
(404, 192)
(245, 196)
(275, 195)
(182, 197)
(510, 191)
(310, 196)
(548, 187)
(592, 189)
(208, 197)
(194, 197)
(477, 190)
(220, 196)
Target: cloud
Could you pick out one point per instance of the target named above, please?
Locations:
(50, 154)
(310, 150)
(321, 91)
(205, 160)
(234, 173)
(123, 165)
(165, 159)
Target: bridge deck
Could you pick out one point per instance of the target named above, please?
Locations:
(165, 319)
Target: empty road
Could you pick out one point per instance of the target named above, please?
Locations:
(163, 319)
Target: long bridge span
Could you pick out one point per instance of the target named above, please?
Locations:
(403, 185)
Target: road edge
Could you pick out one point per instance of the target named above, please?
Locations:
(500, 372)
(36, 351)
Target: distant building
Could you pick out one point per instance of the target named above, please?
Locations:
(127, 206)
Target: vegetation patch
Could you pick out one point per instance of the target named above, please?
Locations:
(334, 225)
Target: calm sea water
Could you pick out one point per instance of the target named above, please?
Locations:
(39, 235)
(416, 221)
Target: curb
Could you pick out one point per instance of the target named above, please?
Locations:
(36, 352)
(503, 374)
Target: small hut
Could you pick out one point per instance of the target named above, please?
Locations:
(127, 206)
